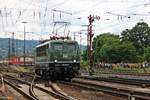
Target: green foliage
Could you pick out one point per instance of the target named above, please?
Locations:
(109, 52)
(84, 55)
(139, 35)
(102, 41)
(140, 58)
(84, 65)
(118, 52)
(108, 48)
(127, 52)
(147, 54)
(131, 70)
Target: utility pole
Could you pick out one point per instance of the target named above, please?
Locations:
(74, 35)
(89, 41)
(80, 41)
(13, 45)
(24, 49)
(9, 49)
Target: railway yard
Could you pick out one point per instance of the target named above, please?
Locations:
(74, 50)
(18, 85)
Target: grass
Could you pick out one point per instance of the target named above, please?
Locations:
(132, 70)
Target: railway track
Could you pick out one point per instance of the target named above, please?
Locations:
(56, 92)
(124, 91)
(140, 79)
(36, 92)
(23, 93)
(31, 91)
(2, 83)
(136, 82)
(2, 88)
(127, 73)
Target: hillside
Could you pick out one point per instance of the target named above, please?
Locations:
(18, 44)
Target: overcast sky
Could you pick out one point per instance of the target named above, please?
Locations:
(116, 15)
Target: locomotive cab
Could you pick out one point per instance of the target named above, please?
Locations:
(58, 59)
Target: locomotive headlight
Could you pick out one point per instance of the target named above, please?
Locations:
(55, 60)
(74, 60)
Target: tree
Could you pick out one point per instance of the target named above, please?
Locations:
(147, 54)
(139, 35)
(109, 53)
(100, 41)
(127, 52)
(109, 48)
(117, 52)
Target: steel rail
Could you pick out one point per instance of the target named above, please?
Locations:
(135, 82)
(121, 92)
(2, 83)
(55, 89)
(19, 90)
(126, 73)
(52, 93)
(133, 93)
(32, 93)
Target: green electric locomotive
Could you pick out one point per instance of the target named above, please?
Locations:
(57, 59)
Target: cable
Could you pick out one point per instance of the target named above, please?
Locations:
(23, 12)
(97, 4)
(3, 26)
(85, 9)
(46, 8)
(55, 5)
(139, 14)
(44, 21)
(6, 17)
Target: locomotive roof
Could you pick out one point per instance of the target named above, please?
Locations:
(56, 41)
(70, 41)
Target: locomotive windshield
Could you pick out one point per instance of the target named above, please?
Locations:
(58, 46)
(64, 50)
(64, 46)
(71, 46)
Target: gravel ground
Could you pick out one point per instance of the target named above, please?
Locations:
(12, 94)
(79, 94)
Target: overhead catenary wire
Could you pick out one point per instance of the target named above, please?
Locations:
(44, 17)
(3, 26)
(6, 19)
(48, 8)
(97, 4)
(23, 12)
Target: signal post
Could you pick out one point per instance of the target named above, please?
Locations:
(89, 41)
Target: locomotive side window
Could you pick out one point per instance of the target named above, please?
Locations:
(41, 51)
(58, 47)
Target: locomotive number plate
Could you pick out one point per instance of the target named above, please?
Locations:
(65, 55)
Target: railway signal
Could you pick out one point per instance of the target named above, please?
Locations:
(89, 40)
